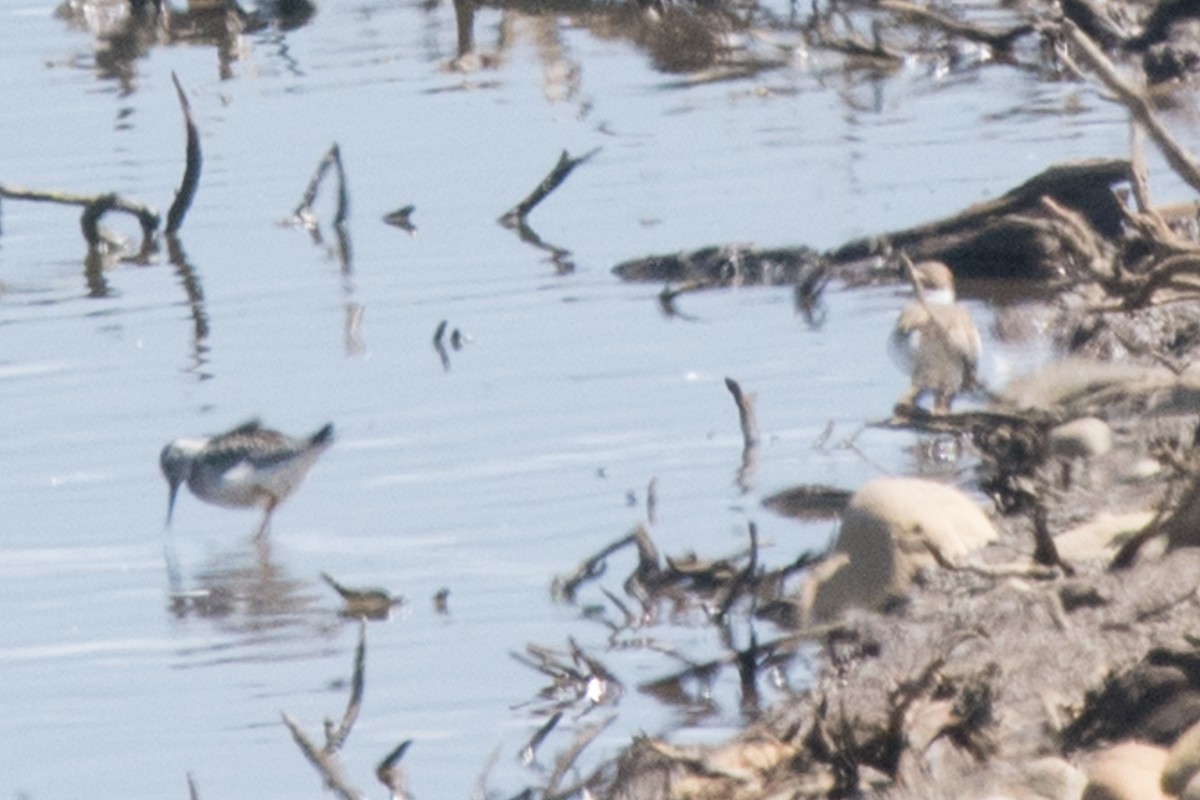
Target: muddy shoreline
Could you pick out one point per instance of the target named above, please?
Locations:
(1003, 684)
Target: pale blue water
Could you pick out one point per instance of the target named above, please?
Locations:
(489, 478)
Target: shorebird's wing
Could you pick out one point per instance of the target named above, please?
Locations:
(249, 443)
(250, 426)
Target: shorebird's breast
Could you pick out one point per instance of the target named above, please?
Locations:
(237, 486)
(937, 343)
(280, 478)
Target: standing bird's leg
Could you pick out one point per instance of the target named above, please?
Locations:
(265, 527)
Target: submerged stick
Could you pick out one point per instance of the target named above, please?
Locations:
(89, 221)
(745, 406)
(343, 198)
(513, 217)
(590, 569)
(749, 423)
(191, 173)
(390, 773)
(303, 212)
(439, 344)
(402, 219)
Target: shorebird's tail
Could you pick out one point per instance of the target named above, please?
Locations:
(322, 437)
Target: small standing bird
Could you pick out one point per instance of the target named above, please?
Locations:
(247, 466)
(935, 339)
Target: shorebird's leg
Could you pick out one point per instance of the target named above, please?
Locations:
(908, 400)
(266, 521)
(941, 403)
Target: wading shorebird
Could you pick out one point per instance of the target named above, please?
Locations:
(245, 467)
(935, 339)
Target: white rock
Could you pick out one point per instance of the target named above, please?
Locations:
(1100, 537)
(1183, 762)
(888, 532)
(1126, 771)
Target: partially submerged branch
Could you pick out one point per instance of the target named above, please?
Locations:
(749, 424)
(391, 774)
(191, 173)
(746, 416)
(94, 207)
(303, 213)
(516, 215)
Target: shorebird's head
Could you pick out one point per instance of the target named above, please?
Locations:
(936, 281)
(176, 462)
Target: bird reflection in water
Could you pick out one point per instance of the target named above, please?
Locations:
(249, 595)
(126, 30)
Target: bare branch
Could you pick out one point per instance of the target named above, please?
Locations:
(329, 768)
(1184, 164)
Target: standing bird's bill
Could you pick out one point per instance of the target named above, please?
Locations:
(249, 466)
